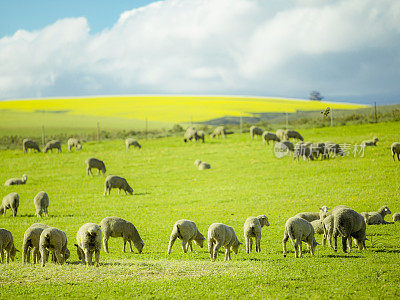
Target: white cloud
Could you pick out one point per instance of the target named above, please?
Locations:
(213, 46)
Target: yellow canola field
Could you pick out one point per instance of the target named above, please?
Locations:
(171, 108)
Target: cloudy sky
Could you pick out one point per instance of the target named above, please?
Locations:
(348, 50)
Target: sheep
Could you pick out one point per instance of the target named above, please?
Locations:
(299, 230)
(323, 211)
(190, 134)
(186, 231)
(376, 217)
(200, 135)
(252, 228)
(334, 148)
(220, 131)
(349, 224)
(395, 149)
(255, 131)
(328, 224)
(396, 217)
(55, 241)
(96, 164)
(7, 245)
(88, 240)
(312, 216)
(54, 144)
(132, 142)
(284, 145)
(115, 182)
(370, 142)
(269, 136)
(318, 226)
(280, 133)
(318, 149)
(10, 201)
(303, 149)
(74, 143)
(202, 165)
(292, 134)
(16, 181)
(41, 202)
(29, 144)
(222, 235)
(117, 227)
(31, 242)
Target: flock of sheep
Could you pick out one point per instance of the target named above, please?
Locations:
(41, 239)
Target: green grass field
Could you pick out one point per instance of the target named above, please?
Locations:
(246, 179)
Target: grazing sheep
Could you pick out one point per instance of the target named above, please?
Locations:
(395, 149)
(115, 182)
(132, 142)
(31, 242)
(88, 240)
(117, 227)
(280, 133)
(318, 149)
(190, 134)
(318, 226)
(370, 142)
(328, 224)
(202, 165)
(220, 131)
(396, 217)
(292, 134)
(7, 245)
(269, 136)
(186, 231)
(304, 150)
(299, 230)
(252, 228)
(96, 164)
(74, 143)
(54, 144)
(29, 144)
(334, 148)
(222, 235)
(349, 224)
(10, 201)
(312, 216)
(200, 135)
(376, 217)
(255, 131)
(16, 181)
(284, 145)
(55, 241)
(41, 202)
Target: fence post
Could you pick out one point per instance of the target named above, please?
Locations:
(98, 131)
(287, 120)
(241, 123)
(43, 136)
(376, 115)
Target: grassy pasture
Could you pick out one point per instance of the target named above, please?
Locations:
(246, 179)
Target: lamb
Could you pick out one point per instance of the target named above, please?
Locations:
(117, 227)
(41, 202)
(269, 136)
(202, 165)
(396, 217)
(222, 235)
(115, 182)
(252, 228)
(10, 201)
(16, 181)
(370, 142)
(186, 231)
(88, 240)
(334, 148)
(200, 135)
(280, 133)
(312, 216)
(74, 143)
(29, 144)
(132, 142)
(299, 230)
(292, 134)
(31, 242)
(255, 131)
(190, 134)
(54, 144)
(55, 241)
(376, 218)
(96, 164)
(395, 149)
(7, 244)
(220, 131)
(349, 224)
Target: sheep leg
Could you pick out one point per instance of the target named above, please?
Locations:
(15, 212)
(25, 250)
(228, 253)
(44, 253)
(8, 256)
(119, 191)
(124, 244)
(2, 255)
(105, 243)
(335, 242)
(247, 241)
(344, 244)
(300, 245)
(210, 248)
(191, 247)
(350, 243)
(36, 255)
(184, 245)
(59, 257)
(88, 256)
(172, 241)
(251, 244)
(258, 242)
(216, 248)
(398, 156)
(284, 241)
(130, 245)
(97, 256)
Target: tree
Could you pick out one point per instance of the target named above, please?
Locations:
(315, 95)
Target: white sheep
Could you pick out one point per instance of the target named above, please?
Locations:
(370, 142)
(376, 217)
(200, 135)
(16, 181)
(116, 182)
(7, 245)
(29, 144)
(328, 224)
(132, 142)
(220, 131)
(41, 202)
(252, 228)
(10, 201)
(54, 144)
(117, 227)
(186, 231)
(190, 134)
(311, 216)
(55, 241)
(94, 163)
(299, 230)
(269, 136)
(318, 226)
(202, 165)
(88, 240)
(74, 143)
(395, 149)
(255, 131)
(31, 242)
(222, 235)
(396, 217)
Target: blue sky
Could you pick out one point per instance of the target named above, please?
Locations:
(349, 50)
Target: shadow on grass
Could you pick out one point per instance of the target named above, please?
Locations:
(341, 256)
(49, 217)
(141, 194)
(385, 250)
